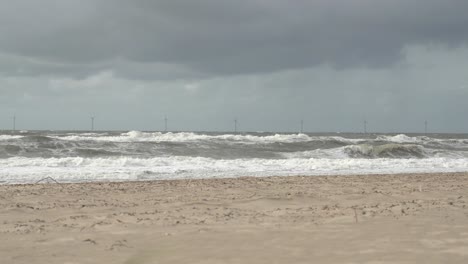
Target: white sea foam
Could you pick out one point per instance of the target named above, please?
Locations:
(366, 151)
(402, 138)
(424, 140)
(9, 137)
(76, 169)
(333, 153)
(137, 136)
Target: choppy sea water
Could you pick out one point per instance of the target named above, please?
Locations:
(26, 157)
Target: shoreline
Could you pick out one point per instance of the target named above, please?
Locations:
(402, 218)
(51, 180)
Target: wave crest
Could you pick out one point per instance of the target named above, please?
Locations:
(403, 151)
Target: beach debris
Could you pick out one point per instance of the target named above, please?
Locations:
(89, 240)
(119, 244)
(47, 179)
(355, 214)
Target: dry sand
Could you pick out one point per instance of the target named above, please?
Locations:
(337, 219)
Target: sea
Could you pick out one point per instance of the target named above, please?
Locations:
(74, 156)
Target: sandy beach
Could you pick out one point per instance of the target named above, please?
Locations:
(413, 218)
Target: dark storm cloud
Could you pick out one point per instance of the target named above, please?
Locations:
(212, 37)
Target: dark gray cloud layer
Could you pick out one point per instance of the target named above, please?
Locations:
(212, 37)
(202, 63)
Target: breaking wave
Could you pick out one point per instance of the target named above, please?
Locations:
(400, 151)
(135, 155)
(9, 137)
(365, 151)
(137, 136)
(77, 169)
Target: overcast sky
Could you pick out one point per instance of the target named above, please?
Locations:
(268, 63)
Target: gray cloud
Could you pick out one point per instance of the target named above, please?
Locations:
(269, 63)
(429, 84)
(211, 37)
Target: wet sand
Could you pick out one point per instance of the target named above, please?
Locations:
(413, 218)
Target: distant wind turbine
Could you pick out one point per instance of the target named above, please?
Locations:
(92, 123)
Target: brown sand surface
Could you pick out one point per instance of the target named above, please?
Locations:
(418, 218)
